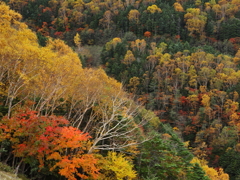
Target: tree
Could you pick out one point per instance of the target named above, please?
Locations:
(195, 21)
(147, 34)
(106, 20)
(51, 141)
(129, 58)
(133, 15)
(54, 80)
(139, 45)
(19, 55)
(154, 9)
(164, 157)
(211, 173)
(133, 84)
(230, 161)
(120, 122)
(117, 166)
(77, 40)
(178, 7)
(113, 43)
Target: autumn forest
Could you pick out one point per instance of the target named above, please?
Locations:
(120, 89)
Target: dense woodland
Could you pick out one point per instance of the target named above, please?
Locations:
(120, 89)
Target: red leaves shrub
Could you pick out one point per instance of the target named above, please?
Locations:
(50, 138)
(147, 34)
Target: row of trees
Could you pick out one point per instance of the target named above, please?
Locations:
(98, 21)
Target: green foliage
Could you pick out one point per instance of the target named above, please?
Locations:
(197, 173)
(229, 29)
(130, 36)
(165, 157)
(230, 161)
(42, 40)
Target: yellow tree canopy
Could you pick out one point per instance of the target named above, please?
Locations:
(154, 9)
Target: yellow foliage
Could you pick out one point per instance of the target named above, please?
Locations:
(186, 143)
(195, 20)
(9, 17)
(77, 40)
(211, 173)
(113, 43)
(206, 100)
(231, 106)
(129, 58)
(53, 75)
(192, 98)
(175, 128)
(198, 2)
(166, 136)
(133, 15)
(236, 59)
(117, 166)
(234, 117)
(154, 9)
(203, 89)
(178, 7)
(133, 83)
(235, 95)
(140, 45)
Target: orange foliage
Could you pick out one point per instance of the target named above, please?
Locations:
(147, 34)
(50, 138)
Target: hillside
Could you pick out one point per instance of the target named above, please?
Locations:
(151, 84)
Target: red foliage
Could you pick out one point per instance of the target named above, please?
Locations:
(195, 120)
(232, 40)
(46, 9)
(192, 89)
(182, 112)
(209, 150)
(67, 29)
(44, 24)
(80, 29)
(147, 34)
(184, 100)
(177, 37)
(58, 33)
(163, 120)
(49, 138)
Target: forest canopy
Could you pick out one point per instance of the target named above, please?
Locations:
(144, 89)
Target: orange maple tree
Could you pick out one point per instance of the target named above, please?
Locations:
(147, 34)
(50, 139)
